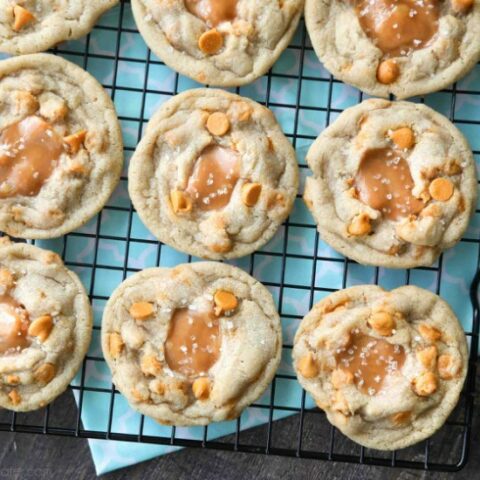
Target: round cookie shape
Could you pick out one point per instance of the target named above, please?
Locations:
(53, 110)
(33, 26)
(45, 326)
(214, 176)
(386, 367)
(394, 184)
(399, 47)
(218, 42)
(191, 345)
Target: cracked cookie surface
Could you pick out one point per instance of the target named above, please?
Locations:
(394, 184)
(31, 26)
(386, 367)
(214, 176)
(52, 109)
(399, 47)
(221, 43)
(191, 345)
(45, 326)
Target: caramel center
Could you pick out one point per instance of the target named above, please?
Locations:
(216, 172)
(193, 343)
(384, 182)
(370, 360)
(213, 11)
(398, 26)
(13, 326)
(29, 151)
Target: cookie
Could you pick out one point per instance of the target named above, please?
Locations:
(218, 42)
(399, 47)
(386, 367)
(214, 176)
(31, 26)
(394, 184)
(191, 345)
(45, 326)
(61, 149)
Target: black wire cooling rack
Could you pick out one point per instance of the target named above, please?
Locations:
(330, 445)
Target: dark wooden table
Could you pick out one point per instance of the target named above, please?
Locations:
(39, 457)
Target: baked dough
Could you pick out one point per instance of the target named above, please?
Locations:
(191, 345)
(31, 26)
(45, 326)
(448, 47)
(214, 176)
(233, 45)
(50, 108)
(387, 367)
(394, 184)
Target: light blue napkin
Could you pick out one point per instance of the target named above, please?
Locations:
(459, 264)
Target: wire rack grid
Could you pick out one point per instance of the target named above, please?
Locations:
(303, 73)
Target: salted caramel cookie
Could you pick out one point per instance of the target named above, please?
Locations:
(214, 176)
(387, 367)
(393, 185)
(45, 326)
(191, 345)
(60, 146)
(30, 26)
(219, 42)
(399, 47)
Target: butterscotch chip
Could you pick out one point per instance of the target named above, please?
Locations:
(158, 387)
(25, 102)
(251, 193)
(360, 225)
(150, 365)
(428, 357)
(15, 397)
(141, 310)
(210, 42)
(382, 322)
(240, 111)
(388, 71)
(429, 333)
(403, 137)
(181, 202)
(401, 418)
(218, 124)
(21, 17)
(13, 379)
(224, 301)
(201, 388)
(45, 373)
(425, 384)
(223, 247)
(75, 141)
(307, 366)
(340, 404)
(441, 189)
(115, 344)
(448, 366)
(341, 377)
(6, 278)
(41, 327)
(139, 396)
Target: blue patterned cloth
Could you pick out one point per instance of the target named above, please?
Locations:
(459, 264)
